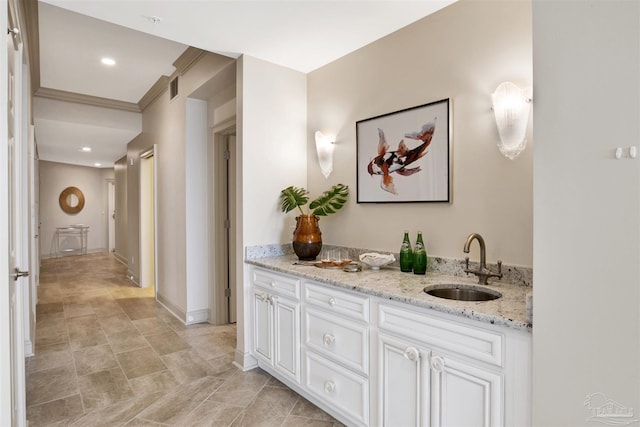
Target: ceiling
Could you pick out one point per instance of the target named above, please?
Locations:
(145, 37)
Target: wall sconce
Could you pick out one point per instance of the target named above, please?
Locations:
(325, 145)
(511, 108)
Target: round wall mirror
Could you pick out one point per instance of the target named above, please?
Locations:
(71, 200)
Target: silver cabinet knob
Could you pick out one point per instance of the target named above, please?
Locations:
(332, 301)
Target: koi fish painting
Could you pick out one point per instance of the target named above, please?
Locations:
(387, 162)
(418, 169)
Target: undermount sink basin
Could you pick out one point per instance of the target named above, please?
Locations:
(460, 292)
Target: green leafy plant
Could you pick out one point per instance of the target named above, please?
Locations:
(329, 202)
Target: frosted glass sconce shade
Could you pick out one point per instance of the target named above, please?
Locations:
(511, 108)
(324, 147)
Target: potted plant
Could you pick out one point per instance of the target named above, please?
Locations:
(307, 238)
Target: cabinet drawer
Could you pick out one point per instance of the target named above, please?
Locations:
(338, 387)
(342, 340)
(479, 344)
(287, 286)
(353, 306)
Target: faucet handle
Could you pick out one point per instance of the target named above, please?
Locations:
(499, 269)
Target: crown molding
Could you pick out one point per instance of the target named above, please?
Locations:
(188, 59)
(158, 88)
(79, 98)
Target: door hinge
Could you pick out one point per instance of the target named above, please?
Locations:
(227, 292)
(227, 154)
(227, 224)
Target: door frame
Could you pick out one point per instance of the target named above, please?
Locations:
(222, 205)
(111, 211)
(145, 156)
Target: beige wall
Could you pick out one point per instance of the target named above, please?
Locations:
(55, 177)
(461, 52)
(164, 124)
(586, 334)
(271, 125)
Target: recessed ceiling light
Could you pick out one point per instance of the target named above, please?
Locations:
(97, 164)
(86, 149)
(108, 61)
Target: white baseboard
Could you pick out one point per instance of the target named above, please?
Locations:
(197, 316)
(28, 348)
(244, 361)
(171, 308)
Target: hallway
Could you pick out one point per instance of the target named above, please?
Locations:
(107, 354)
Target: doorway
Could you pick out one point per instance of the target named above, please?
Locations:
(222, 224)
(147, 220)
(111, 211)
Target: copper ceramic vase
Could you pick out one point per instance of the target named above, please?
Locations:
(307, 238)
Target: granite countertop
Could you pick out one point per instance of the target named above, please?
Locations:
(391, 283)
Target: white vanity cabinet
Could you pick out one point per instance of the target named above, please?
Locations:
(437, 371)
(275, 303)
(376, 362)
(336, 346)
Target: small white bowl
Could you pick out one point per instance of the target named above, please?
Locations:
(375, 260)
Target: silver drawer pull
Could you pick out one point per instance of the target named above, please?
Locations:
(412, 354)
(329, 386)
(328, 339)
(332, 301)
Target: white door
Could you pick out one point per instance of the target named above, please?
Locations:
(404, 383)
(147, 222)
(111, 211)
(286, 336)
(12, 372)
(262, 325)
(464, 395)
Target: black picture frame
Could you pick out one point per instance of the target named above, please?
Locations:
(405, 156)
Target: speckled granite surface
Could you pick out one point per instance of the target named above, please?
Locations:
(389, 283)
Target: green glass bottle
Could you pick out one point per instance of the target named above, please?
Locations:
(406, 255)
(419, 256)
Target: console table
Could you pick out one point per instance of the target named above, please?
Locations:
(78, 232)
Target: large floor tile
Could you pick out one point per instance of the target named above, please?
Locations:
(141, 362)
(118, 413)
(94, 359)
(179, 403)
(187, 366)
(242, 388)
(167, 342)
(151, 326)
(54, 411)
(104, 388)
(53, 356)
(51, 384)
(127, 340)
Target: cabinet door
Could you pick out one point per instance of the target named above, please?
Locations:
(286, 334)
(404, 383)
(262, 326)
(464, 395)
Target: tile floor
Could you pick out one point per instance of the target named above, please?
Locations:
(107, 354)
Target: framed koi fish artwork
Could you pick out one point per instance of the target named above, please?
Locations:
(404, 156)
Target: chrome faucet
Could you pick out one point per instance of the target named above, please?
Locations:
(483, 272)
